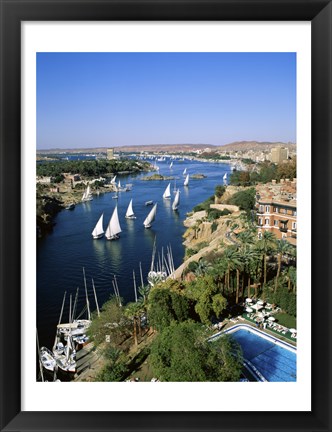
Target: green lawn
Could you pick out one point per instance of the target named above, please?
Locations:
(285, 320)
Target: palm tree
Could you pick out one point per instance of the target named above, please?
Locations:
(249, 258)
(290, 277)
(202, 267)
(232, 260)
(133, 311)
(266, 242)
(246, 238)
(282, 248)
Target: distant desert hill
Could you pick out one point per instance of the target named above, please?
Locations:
(176, 148)
(254, 145)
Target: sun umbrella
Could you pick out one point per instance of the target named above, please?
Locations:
(249, 300)
(248, 309)
(271, 319)
(292, 330)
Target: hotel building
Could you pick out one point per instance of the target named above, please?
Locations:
(279, 154)
(276, 209)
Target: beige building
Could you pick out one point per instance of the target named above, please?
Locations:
(110, 154)
(278, 154)
(276, 209)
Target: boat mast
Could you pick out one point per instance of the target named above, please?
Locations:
(60, 318)
(94, 291)
(86, 296)
(75, 304)
(140, 269)
(135, 286)
(40, 363)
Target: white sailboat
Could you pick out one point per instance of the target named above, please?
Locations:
(185, 172)
(175, 189)
(225, 176)
(186, 181)
(150, 217)
(130, 212)
(113, 180)
(170, 165)
(167, 193)
(176, 201)
(87, 195)
(113, 229)
(67, 359)
(98, 230)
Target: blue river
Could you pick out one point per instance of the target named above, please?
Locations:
(62, 254)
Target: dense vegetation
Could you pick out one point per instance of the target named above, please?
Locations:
(263, 173)
(90, 168)
(179, 313)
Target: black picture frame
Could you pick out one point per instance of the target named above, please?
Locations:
(319, 12)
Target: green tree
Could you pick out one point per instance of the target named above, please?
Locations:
(282, 248)
(115, 365)
(181, 352)
(111, 323)
(266, 243)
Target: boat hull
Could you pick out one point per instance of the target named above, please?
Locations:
(99, 236)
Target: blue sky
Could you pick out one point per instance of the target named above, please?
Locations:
(113, 99)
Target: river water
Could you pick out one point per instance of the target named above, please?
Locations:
(62, 254)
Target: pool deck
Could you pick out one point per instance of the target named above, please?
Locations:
(227, 323)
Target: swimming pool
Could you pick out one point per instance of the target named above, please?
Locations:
(269, 358)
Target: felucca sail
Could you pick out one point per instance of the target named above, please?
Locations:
(176, 201)
(150, 217)
(225, 176)
(113, 228)
(87, 195)
(113, 180)
(98, 230)
(130, 212)
(167, 193)
(186, 182)
(185, 171)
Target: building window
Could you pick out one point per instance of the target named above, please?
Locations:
(267, 221)
(267, 209)
(294, 213)
(284, 235)
(276, 223)
(294, 225)
(260, 222)
(261, 209)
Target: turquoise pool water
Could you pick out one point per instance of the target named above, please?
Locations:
(274, 362)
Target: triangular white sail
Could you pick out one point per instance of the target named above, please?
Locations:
(225, 176)
(150, 217)
(185, 171)
(186, 181)
(171, 164)
(113, 228)
(98, 230)
(176, 201)
(130, 212)
(167, 193)
(87, 195)
(113, 180)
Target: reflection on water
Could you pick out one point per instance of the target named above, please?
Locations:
(70, 247)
